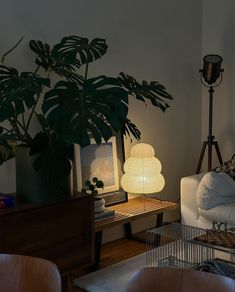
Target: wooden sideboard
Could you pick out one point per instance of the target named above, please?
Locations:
(62, 232)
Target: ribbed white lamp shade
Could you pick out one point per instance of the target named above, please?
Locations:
(142, 171)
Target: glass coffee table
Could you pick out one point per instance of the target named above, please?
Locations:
(182, 246)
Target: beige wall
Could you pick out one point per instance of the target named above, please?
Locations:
(218, 37)
(153, 40)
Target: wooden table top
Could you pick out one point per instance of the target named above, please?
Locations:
(136, 208)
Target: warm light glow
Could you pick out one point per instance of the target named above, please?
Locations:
(142, 171)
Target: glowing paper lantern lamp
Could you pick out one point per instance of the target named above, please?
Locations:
(142, 171)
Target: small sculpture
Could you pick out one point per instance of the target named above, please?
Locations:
(216, 226)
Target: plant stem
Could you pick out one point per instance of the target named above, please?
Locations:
(11, 49)
(23, 120)
(12, 132)
(15, 123)
(36, 102)
(14, 126)
(86, 71)
(27, 136)
(44, 127)
(16, 130)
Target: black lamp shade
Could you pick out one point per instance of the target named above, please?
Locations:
(211, 68)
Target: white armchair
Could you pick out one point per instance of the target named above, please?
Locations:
(221, 191)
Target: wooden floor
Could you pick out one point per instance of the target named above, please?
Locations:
(117, 251)
(120, 250)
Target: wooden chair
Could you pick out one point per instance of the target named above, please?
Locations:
(153, 279)
(20, 273)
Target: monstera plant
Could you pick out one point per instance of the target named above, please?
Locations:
(69, 106)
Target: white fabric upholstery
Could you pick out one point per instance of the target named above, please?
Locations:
(223, 212)
(194, 216)
(188, 190)
(215, 189)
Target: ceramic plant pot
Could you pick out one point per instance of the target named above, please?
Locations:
(31, 187)
(99, 205)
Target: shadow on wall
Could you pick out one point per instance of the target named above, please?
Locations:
(7, 177)
(227, 97)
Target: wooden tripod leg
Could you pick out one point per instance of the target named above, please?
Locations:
(209, 167)
(201, 157)
(218, 152)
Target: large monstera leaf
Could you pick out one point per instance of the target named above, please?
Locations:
(18, 91)
(154, 91)
(54, 156)
(88, 52)
(68, 55)
(51, 60)
(95, 110)
(7, 142)
(130, 129)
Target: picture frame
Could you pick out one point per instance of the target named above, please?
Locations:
(104, 161)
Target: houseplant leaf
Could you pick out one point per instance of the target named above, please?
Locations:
(88, 52)
(54, 156)
(6, 146)
(62, 63)
(18, 91)
(129, 129)
(97, 108)
(154, 91)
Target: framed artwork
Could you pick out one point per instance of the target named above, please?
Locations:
(104, 161)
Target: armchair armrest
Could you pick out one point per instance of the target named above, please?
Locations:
(188, 196)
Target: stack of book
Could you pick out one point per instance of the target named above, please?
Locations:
(6, 200)
(107, 213)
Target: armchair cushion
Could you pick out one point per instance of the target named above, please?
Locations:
(222, 213)
(215, 189)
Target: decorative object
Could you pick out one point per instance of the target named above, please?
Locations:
(106, 161)
(228, 167)
(218, 238)
(99, 160)
(66, 105)
(142, 171)
(91, 187)
(219, 267)
(211, 72)
(99, 205)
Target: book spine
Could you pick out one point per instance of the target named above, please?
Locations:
(105, 214)
(104, 218)
(7, 202)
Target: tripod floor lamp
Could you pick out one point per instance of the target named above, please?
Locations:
(209, 74)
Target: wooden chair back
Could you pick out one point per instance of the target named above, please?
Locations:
(20, 273)
(153, 279)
